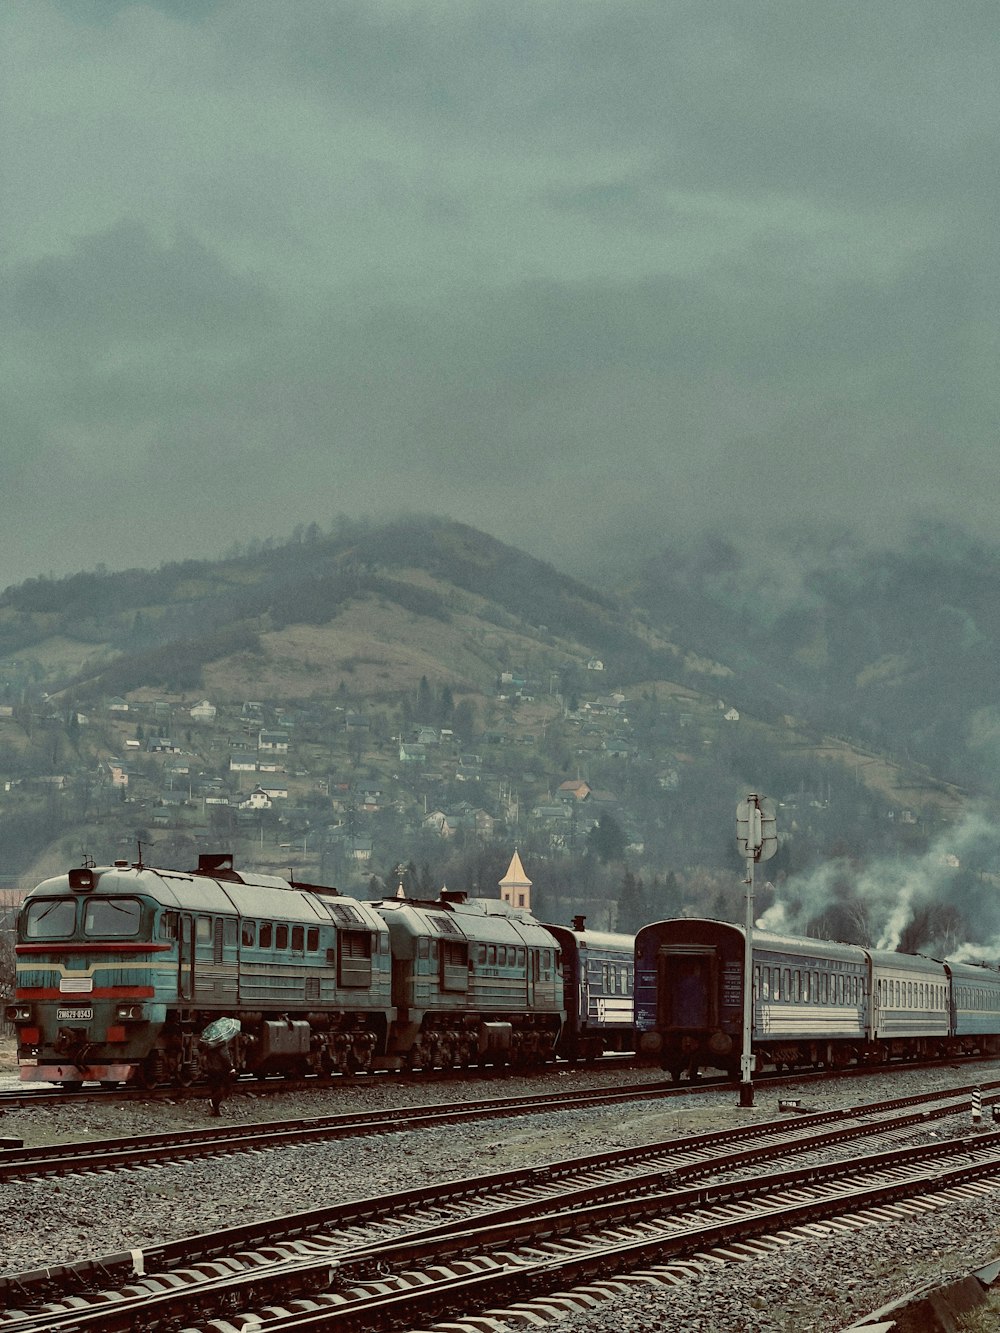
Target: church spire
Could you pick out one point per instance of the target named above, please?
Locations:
(515, 887)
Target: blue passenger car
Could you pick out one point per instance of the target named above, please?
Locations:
(975, 1008)
(598, 981)
(809, 997)
(909, 1007)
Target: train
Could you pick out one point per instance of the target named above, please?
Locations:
(816, 1003)
(120, 968)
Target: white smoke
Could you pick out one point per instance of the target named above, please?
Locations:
(882, 897)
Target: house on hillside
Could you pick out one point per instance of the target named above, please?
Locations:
(203, 712)
(257, 799)
(275, 741)
(573, 789)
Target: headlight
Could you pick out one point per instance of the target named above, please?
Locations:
(18, 1013)
(126, 1012)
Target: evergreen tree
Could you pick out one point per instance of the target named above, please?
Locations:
(630, 905)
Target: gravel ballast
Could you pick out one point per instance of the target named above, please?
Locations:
(820, 1285)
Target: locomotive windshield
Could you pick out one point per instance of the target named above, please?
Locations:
(103, 918)
(113, 918)
(51, 919)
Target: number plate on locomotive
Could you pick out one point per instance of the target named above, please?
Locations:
(74, 1013)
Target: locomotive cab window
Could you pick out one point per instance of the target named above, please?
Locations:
(266, 934)
(281, 937)
(312, 939)
(298, 939)
(248, 934)
(52, 920)
(168, 926)
(115, 917)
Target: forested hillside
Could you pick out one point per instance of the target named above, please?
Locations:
(415, 699)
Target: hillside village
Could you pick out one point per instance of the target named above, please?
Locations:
(415, 703)
(344, 789)
(337, 787)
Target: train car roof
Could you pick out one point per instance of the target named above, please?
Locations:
(249, 894)
(975, 973)
(906, 962)
(486, 920)
(594, 939)
(800, 946)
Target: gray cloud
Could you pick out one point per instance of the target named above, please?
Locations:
(580, 275)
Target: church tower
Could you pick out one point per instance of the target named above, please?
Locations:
(515, 887)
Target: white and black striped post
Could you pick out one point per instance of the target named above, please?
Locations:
(977, 1106)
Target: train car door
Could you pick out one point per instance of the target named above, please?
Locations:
(185, 957)
(687, 988)
(532, 973)
(224, 960)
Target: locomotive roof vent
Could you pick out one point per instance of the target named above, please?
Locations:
(121, 865)
(81, 879)
(579, 923)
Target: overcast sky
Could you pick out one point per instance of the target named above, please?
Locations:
(578, 272)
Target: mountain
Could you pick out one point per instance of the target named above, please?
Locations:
(431, 696)
(896, 649)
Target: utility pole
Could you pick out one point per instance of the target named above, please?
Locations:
(757, 839)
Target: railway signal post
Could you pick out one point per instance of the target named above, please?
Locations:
(757, 839)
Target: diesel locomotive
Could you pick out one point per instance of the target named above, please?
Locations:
(815, 1002)
(119, 969)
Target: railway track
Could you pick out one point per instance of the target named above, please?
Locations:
(12, 1099)
(149, 1149)
(451, 1248)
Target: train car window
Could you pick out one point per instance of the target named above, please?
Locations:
(623, 980)
(168, 926)
(482, 953)
(756, 981)
(805, 987)
(433, 949)
(281, 937)
(797, 986)
(491, 955)
(840, 988)
(312, 939)
(249, 934)
(787, 983)
(826, 987)
(203, 930)
(229, 932)
(266, 934)
(298, 939)
(765, 980)
(423, 948)
(520, 957)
